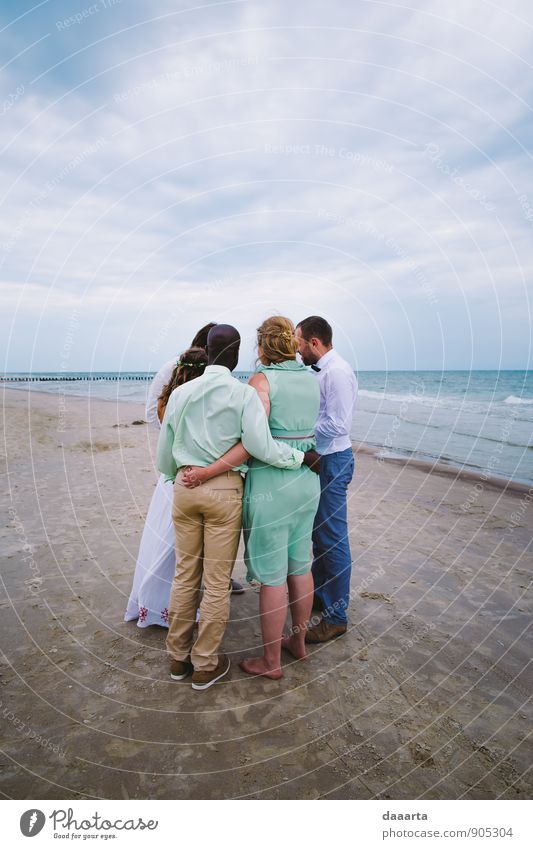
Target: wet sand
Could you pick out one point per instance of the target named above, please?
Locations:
(427, 696)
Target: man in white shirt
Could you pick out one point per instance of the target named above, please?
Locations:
(332, 563)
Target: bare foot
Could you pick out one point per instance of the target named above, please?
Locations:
(258, 666)
(294, 646)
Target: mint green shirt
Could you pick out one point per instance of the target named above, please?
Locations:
(207, 416)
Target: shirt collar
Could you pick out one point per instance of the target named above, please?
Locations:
(325, 358)
(215, 369)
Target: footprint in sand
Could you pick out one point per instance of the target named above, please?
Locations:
(377, 597)
(94, 447)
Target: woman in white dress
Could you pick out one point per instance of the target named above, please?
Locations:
(156, 561)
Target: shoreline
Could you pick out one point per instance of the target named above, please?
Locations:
(433, 467)
(449, 470)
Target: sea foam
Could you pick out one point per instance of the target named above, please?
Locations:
(514, 399)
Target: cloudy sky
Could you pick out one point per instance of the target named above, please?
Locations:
(168, 163)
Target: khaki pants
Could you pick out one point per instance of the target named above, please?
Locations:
(207, 520)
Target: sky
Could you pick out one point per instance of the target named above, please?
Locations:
(166, 164)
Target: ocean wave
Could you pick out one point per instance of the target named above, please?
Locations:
(391, 396)
(514, 399)
(453, 402)
(478, 436)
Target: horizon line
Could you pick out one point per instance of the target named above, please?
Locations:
(241, 371)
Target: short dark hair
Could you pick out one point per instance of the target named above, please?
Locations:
(316, 326)
(223, 344)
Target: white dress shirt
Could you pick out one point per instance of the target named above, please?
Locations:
(155, 389)
(338, 395)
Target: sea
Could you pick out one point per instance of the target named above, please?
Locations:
(476, 420)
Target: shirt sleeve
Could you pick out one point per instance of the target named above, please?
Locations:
(340, 393)
(165, 458)
(257, 439)
(154, 391)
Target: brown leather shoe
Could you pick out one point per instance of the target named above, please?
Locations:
(324, 631)
(203, 679)
(180, 669)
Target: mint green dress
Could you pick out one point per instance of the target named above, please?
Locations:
(279, 505)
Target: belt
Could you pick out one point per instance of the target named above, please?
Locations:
(310, 436)
(290, 434)
(228, 473)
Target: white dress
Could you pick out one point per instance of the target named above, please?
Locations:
(156, 561)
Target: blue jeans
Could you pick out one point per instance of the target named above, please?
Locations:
(332, 561)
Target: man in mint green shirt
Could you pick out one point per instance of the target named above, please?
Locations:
(204, 418)
(207, 416)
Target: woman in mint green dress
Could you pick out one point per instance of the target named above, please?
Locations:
(279, 505)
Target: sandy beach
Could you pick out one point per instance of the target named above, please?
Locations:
(426, 697)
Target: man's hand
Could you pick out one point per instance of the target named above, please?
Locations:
(312, 459)
(194, 476)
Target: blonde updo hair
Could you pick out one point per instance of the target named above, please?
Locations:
(277, 340)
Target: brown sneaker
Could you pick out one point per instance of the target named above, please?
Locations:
(180, 669)
(202, 679)
(324, 631)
